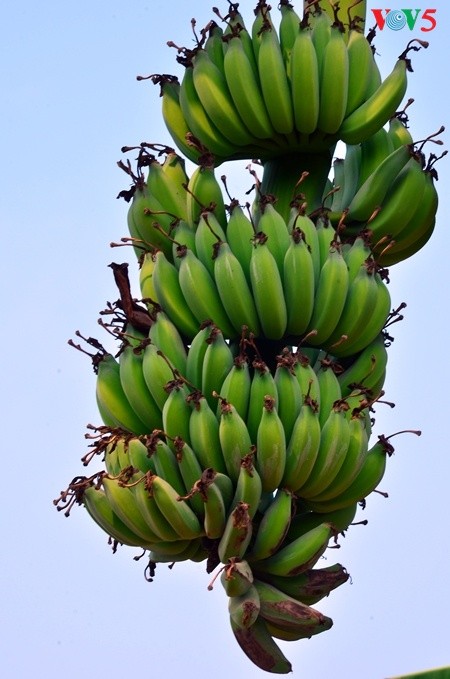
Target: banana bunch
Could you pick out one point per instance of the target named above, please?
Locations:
(386, 189)
(238, 409)
(261, 92)
(278, 279)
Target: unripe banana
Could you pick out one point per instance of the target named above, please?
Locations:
(198, 121)
(234, 290)
(99, 508)
(248, 486)
(237, 577)
(244, 609)
(267, 290)
(303, 447)
(208, 234)
(134, 384)
(334, 77)
(299, 555)
(260, 647)
(298, 284)
(200, 292)
(273, 527)
(236, 386)
(217, 363)
(213, 92)
(173, 116)
(263, 384)
(376, 111)
(333, 447)
(237, 534)
(169, 295)
(279, 608)
(164, 334)
(205, 193)
(111, 399)
(330, 297)
(204, 434)
(176, 511)
(245, 90)
(305, 83)
(274, 81)
(290, 398)
(270, 447)
(272, 224)
(234, 438)
(176, 411)
(240, 233)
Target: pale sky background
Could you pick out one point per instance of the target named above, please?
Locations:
(70, 101)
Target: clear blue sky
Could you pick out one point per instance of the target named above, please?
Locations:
(70, 100)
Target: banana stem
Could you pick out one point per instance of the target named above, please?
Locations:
(348, 10)
(288, 176)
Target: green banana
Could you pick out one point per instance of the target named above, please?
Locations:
(260, 647)
(290, 397)
(330, 297)
(236, 535)
(204, 434)
(299, 555)
(151, 513)
(234, 290)
(245, 89)
(111, 399)
(248, 486)
(333, 447)
(217, 363)
(274, 80)
(123, 503)
(134, 385)
(198, 121)
(176, 411)
(298, 284)
(270, 446)
(305, 83)
(203, 192)
(372, 192)
(99, 508)
(273, 526)
(237, 577)
(173, 117)
(212, 89)
(368, 478)
(196, 355)
(303, 447)
(263, 384)
(200, 292)
(366, 368)
(170, 297)
(267, 288)
(176, 511)
(281, 609)
(165, 335)
(236, 386)
(157, 373)
(240, 233)
(356, 453)
(360, 64)
(378, 108)
(334, 80)
(244, 609)
(234, 438)
(207, 235)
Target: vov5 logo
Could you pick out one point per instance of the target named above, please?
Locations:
(396, 19)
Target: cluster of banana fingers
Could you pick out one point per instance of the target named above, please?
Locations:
(238, 408)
